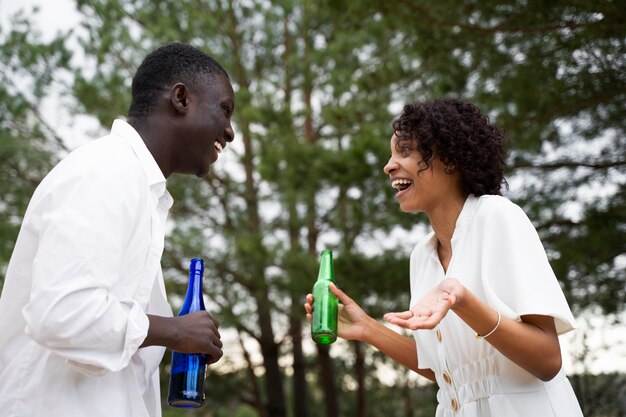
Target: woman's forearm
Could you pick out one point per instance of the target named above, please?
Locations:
(532, 344)
(398, 347)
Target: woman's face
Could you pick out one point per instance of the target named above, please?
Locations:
(420, 189)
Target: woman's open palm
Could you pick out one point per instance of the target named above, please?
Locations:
(431, 309)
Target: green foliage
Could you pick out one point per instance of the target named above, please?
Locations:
(589, 254)
(317, 84)
(404, 397)
(552, 74)
(597, 394)
(28, 146)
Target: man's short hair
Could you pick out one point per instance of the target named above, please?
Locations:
(165, 66)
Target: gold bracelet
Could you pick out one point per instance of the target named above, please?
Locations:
(477, 336)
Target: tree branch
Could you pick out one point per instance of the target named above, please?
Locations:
(557, 222)
(222, 199)
(421, 13)
(569, 164)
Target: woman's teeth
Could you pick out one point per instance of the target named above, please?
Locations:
(401, 184)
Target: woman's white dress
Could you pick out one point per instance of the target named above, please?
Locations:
(497, 255)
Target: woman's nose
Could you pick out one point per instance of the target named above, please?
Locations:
(390, 166)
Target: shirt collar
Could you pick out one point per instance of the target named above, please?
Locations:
(465, 218)
(155, 177)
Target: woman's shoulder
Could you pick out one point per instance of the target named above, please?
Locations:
(499, 217)
(490, 201)
(496, 206)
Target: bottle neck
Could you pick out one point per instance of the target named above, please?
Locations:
(194, 300)
(326, 272)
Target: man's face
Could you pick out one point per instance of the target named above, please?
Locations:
(206, 128)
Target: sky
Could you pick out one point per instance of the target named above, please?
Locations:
(55, 16)
(607, 345)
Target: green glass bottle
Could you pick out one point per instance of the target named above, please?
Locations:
(325, 304)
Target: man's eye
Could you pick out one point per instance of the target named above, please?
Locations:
(226, 111)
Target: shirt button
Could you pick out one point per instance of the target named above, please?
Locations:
(438, 333)
(447, 378)
(454, 404)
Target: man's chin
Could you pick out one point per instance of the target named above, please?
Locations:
(205, 169)
(202, 172)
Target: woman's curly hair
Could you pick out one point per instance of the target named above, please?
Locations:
(460, 136)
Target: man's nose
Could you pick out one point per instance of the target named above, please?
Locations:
(229, 134)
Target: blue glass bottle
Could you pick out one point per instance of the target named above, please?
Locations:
(186, 388)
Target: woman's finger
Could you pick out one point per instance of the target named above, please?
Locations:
(393, 319)
(405, 315)
(342, 296)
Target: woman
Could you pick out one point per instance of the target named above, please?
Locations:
(486, 308)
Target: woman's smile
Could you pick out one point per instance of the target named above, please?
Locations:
(403, 185)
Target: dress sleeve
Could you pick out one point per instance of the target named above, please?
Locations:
(516, 274)
(87, 214)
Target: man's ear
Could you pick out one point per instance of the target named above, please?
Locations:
(179, 98)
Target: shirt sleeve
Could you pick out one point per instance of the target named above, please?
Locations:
(516, 274)
(87, 212)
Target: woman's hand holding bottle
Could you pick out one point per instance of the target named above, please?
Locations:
(353, 321)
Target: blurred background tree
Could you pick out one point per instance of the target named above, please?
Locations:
(317, 84)
(28, 145)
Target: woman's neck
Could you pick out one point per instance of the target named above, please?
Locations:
(443, 221)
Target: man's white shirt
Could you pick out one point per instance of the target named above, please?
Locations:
(84, 273)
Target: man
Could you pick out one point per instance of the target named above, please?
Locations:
(83, 313)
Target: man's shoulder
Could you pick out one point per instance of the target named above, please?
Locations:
(110, 153)
(102, 164)
(107, 146)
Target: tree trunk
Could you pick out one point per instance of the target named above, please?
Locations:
(258, 402)
(300, 400)
(406, 392)
(273, 376)
(328, 381)
(361, 404)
